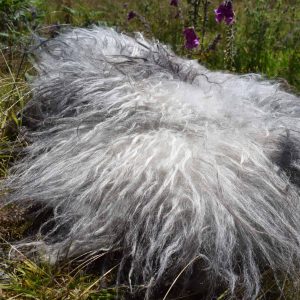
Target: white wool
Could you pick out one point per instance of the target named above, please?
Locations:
(137, 149)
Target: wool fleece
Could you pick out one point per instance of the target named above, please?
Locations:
(137, 150)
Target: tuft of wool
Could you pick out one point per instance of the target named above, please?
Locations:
(137, 149)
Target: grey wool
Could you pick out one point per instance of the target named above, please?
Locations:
(137, 150)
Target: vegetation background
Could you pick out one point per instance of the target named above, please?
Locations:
(265, 38)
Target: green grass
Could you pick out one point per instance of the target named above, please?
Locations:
(25, 279)
(14, 92)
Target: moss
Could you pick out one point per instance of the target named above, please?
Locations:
(13, 222)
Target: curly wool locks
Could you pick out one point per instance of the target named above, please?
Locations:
(140, 150)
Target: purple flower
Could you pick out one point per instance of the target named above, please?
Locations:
(225, 11)
(174, 2)
(131, 15)
(191, 38)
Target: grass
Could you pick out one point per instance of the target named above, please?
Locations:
(14, 92)
(25, 279)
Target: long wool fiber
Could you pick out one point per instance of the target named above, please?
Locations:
(137, 149)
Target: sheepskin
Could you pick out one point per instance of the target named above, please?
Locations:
(134, 148)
